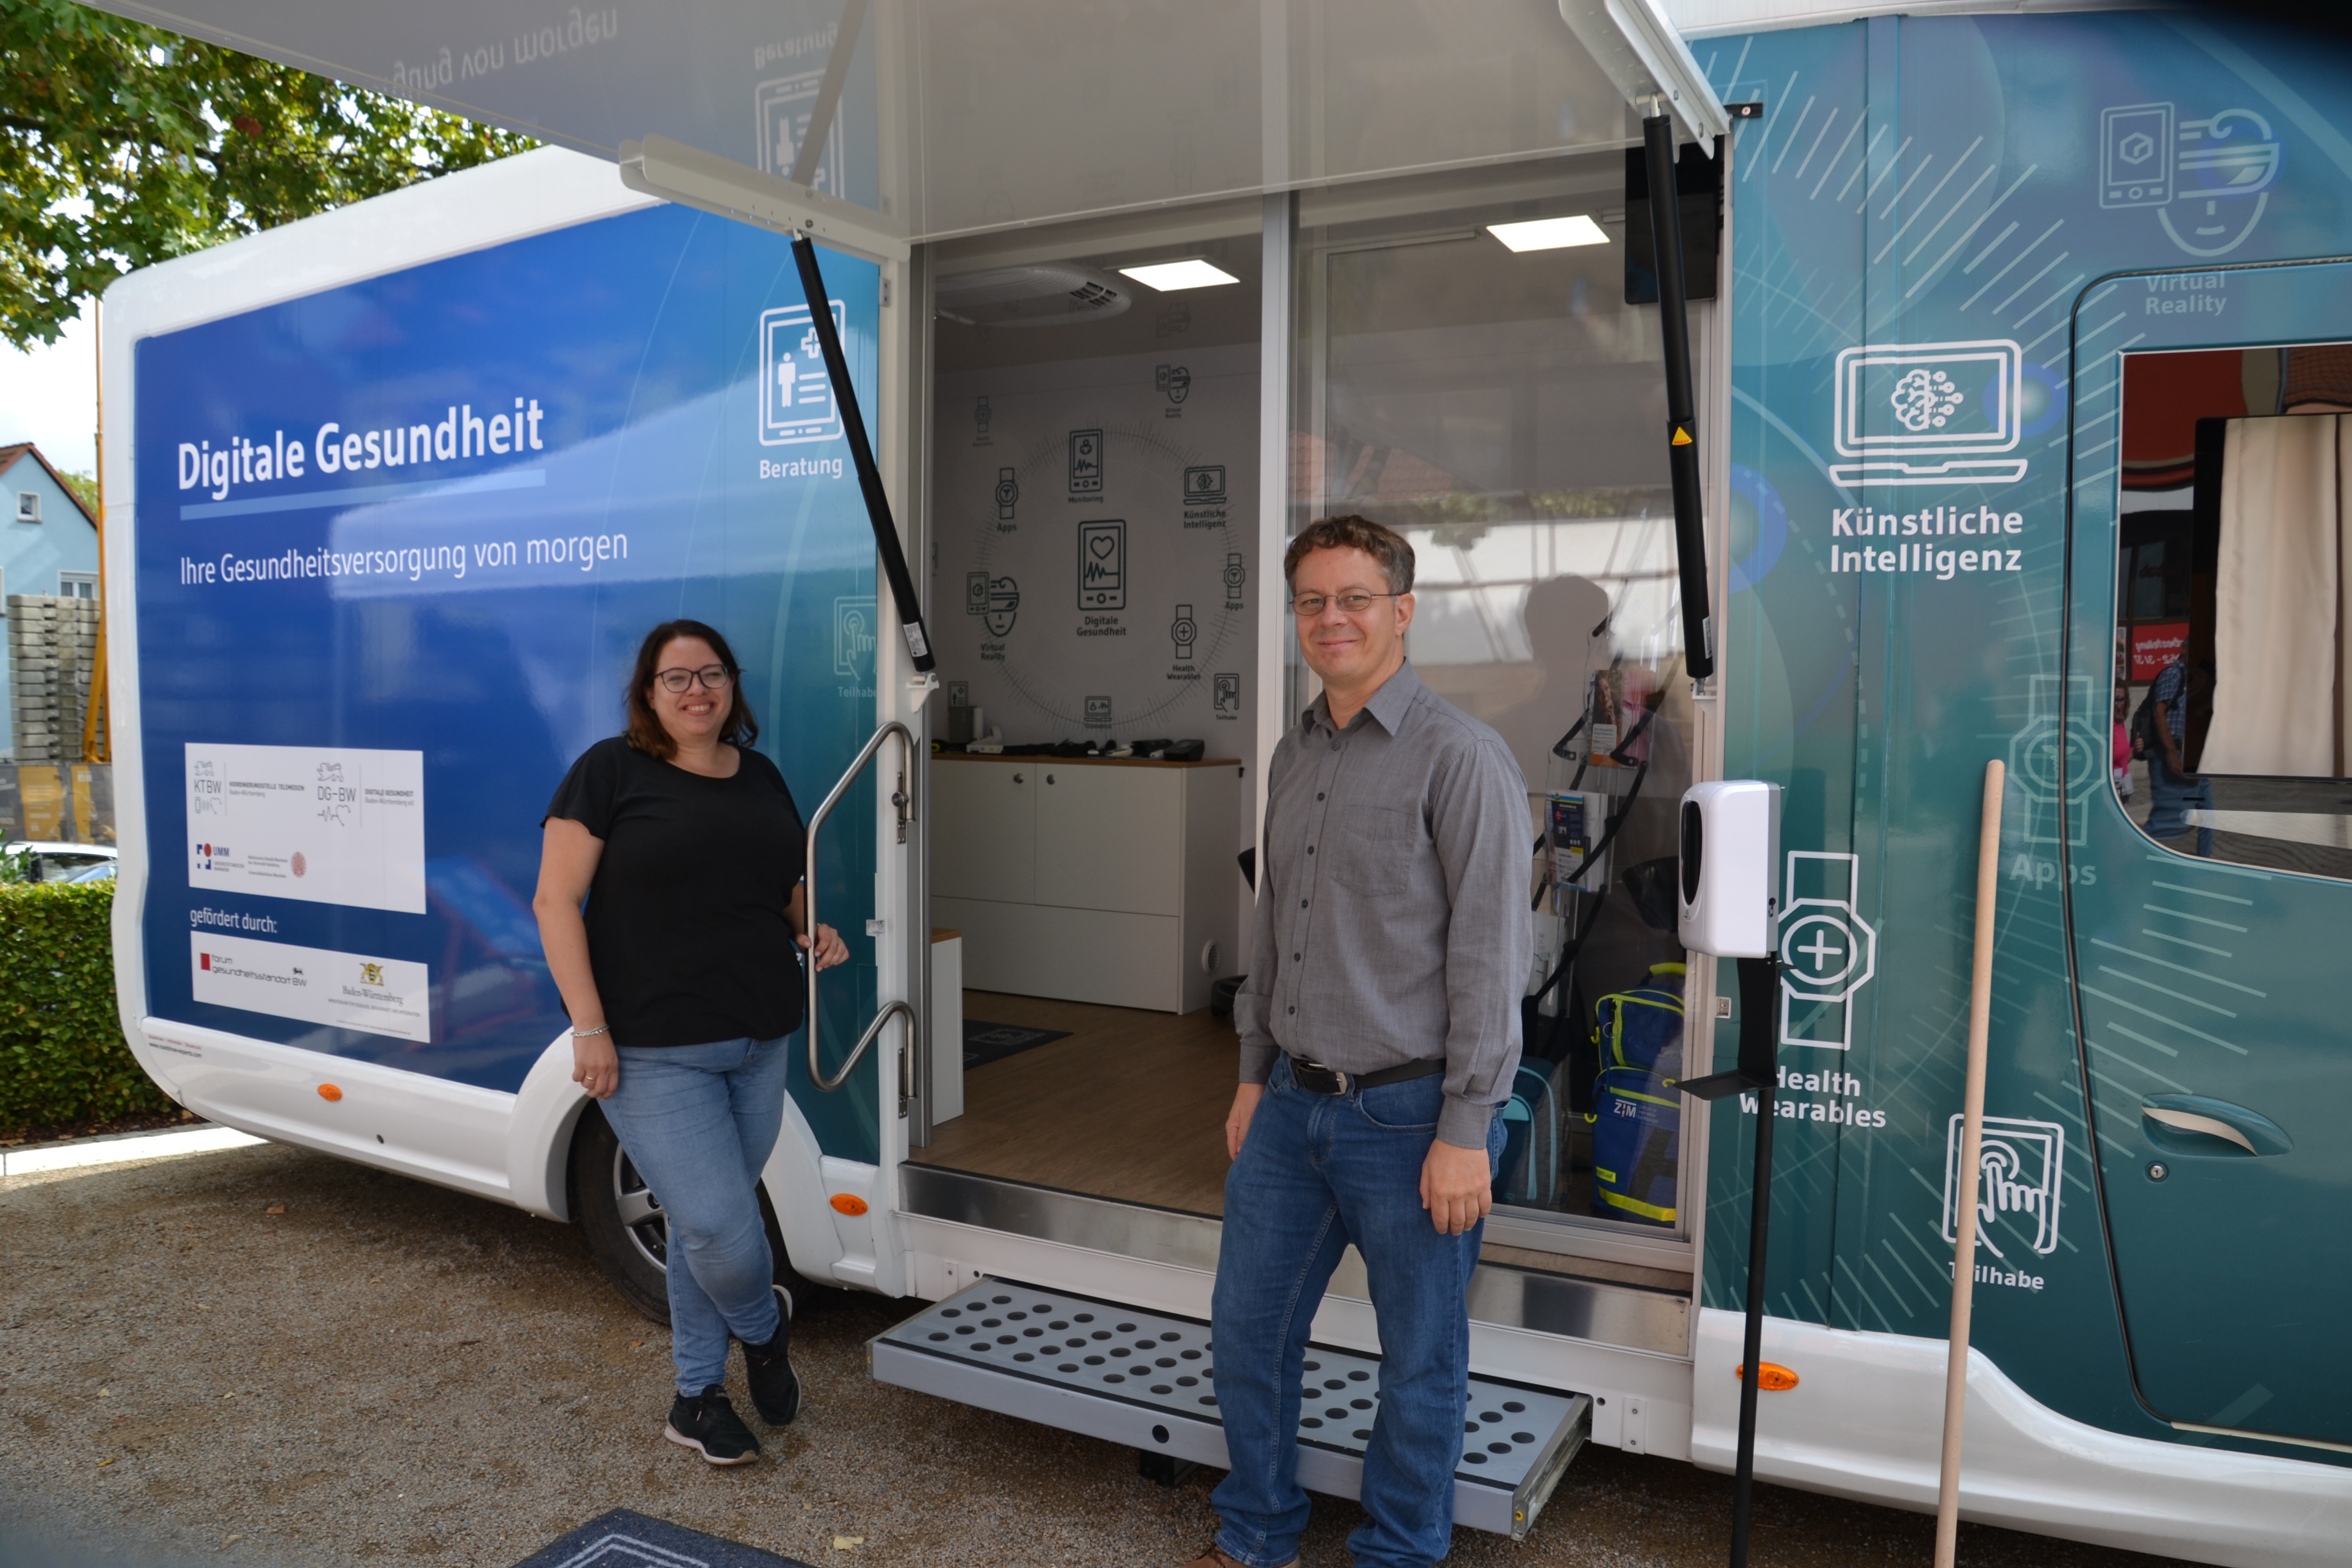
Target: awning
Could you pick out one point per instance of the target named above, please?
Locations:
(937, 117)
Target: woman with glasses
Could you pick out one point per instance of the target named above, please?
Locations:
(681, 985)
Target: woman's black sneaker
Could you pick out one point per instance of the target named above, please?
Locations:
(708, 1424)
(775, 1390)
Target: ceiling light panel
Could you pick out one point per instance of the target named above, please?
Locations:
(1548, 233)
(1167, 276)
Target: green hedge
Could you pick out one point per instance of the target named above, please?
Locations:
(62, 1055)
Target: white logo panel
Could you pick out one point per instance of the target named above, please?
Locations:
(796, 402)
(2017, 1181)
(1828, 951)
(1929, 413)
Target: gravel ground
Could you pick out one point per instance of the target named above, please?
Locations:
(269, 1356)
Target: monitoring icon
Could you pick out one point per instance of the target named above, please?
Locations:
(1929, 413)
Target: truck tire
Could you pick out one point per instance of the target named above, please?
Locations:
(629, 1236)
(625, 1227)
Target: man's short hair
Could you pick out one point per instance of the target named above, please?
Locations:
(1383, 544)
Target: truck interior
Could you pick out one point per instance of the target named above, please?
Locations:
(1462, 366)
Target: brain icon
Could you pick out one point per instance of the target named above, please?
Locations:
(1924, 400)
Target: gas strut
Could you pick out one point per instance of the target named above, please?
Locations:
(1682, 420)
(861, 453)
(1759, 995)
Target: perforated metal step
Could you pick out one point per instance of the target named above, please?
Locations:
(1148, 1380)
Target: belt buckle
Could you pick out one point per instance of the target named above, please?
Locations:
(1333, 1073)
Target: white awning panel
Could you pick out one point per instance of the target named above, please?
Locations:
(954, 117)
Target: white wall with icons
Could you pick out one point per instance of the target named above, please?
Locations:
(1097, 543)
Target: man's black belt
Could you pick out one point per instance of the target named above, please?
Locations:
(1317, 1079)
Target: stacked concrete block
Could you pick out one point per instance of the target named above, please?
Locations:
(52, 652)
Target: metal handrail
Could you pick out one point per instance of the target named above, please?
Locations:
(904, 799)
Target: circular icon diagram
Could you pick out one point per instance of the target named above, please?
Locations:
(1827, 951)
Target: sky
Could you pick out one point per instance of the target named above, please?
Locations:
(49, 397)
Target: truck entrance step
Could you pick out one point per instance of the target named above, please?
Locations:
(1148, 1380)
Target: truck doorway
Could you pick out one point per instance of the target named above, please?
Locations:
(1095, 505)
(1095, 485)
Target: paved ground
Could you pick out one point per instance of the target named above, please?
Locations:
(387, 1372)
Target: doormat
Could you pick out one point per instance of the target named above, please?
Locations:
(621, 1539)
(984, 1042)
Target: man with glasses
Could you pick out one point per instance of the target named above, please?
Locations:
(1379, 1031)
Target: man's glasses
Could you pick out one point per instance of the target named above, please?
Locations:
(714, 678)
(1306, 607)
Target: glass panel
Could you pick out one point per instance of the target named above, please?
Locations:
(1094, 500)
(1501, 409)
(2231, 715)
(963, 115)
(1037, 111)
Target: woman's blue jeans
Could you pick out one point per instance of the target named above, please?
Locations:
(1317, 1173)
(698, 1122)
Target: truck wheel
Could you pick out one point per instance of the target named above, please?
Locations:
(629, 1235)
(626, 1229)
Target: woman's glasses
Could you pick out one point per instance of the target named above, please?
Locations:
(714, 678)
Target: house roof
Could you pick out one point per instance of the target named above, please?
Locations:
(14, 451)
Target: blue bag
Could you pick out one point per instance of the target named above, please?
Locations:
(1636, 1111)
(1636, 1146)
(1643, 1027)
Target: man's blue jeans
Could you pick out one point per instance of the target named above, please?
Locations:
(2174, 797)
(698, 1122)
(1317, 1173)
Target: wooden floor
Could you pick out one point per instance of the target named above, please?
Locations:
(1133, 1107)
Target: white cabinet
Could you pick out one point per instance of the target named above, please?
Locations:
(1088, 880)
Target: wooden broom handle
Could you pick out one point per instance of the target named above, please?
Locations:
(1964, 1223)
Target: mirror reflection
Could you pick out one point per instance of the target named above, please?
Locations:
(2233, 709)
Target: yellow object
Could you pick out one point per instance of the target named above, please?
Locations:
(844, 1543)
(1682, 437)
(1771, 1376)
(41, 800)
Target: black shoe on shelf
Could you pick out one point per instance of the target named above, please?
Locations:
(708, 1424)
(775, 1389)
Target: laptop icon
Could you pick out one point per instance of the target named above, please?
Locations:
(1929, 413)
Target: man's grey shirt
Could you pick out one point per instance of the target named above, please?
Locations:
(1392, 920)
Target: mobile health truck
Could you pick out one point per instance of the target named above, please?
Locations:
(2022, 347)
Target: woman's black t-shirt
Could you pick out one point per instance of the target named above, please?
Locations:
(690, 930)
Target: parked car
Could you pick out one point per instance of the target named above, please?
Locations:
(45, 861)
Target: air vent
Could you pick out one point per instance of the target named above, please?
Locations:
(1050, 294)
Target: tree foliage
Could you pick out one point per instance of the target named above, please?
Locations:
(121, 144)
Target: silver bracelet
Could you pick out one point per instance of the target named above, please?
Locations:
(599, 1030)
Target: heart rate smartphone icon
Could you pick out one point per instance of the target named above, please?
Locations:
(1102, 564)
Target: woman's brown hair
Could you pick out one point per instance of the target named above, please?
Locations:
(646, 731)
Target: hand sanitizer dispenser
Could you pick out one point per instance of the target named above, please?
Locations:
(1729, 894)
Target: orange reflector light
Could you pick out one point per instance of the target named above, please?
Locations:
(849, 1204)
(329, 1091)
(1771, 1376)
